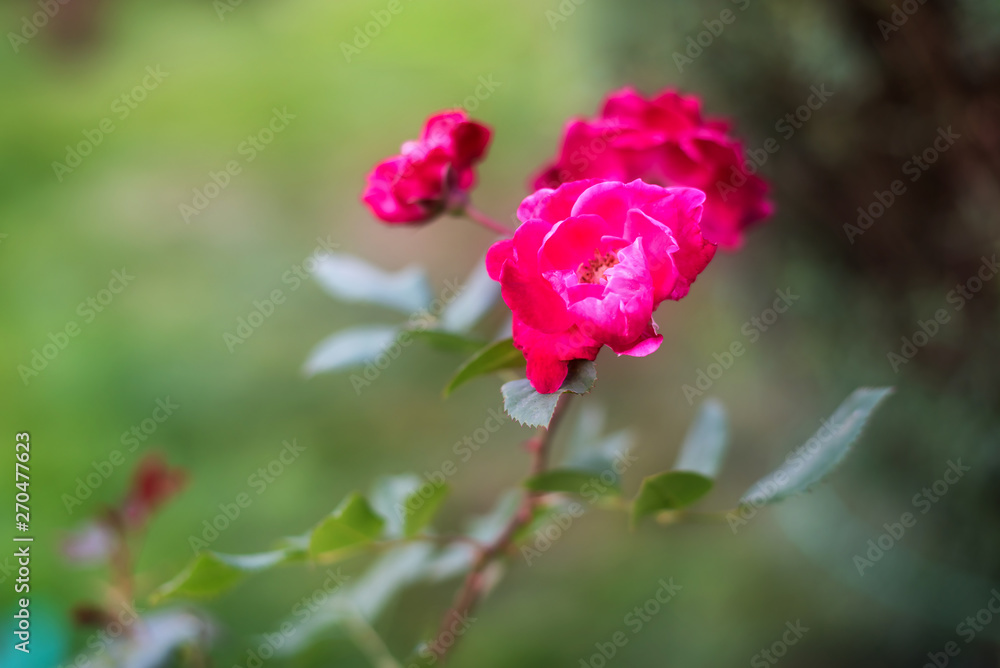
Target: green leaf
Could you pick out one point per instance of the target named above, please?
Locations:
(388, 497)
(571, 481)
(212, 573)
(477, 296)
(366, 595)
(421, 508)
(351, 279)
(591, 451)
(533, 409)
(494, 357)
(447, 341)
(705, 443)
(353, 523)
(814, 460)
(672, 490)
(694, 472)
(349, 347)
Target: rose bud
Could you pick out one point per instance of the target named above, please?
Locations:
(432, 175)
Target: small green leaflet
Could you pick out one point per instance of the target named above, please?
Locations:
(353, 523)
(494, 357)
(694, 472)
(212, 572)
(533, 409)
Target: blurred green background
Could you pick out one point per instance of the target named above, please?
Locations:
(162, 337)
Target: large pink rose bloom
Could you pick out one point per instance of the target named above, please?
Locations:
(432, 174)
(589, 265)
(667, 142)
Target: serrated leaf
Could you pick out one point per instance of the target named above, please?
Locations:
(353, 523)
(494, 357)
(705, 443)
(533, 409)
(572, 481)
(349, 347)
(212, 573)
(421, 508)
(478, 295)
(351, 279)
(821, 454)
(671, 490)
(447, 341)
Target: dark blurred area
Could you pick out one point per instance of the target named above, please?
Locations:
(877, 125)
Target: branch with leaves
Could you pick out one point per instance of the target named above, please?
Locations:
(602, 243)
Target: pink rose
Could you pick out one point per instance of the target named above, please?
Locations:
(433, 173)
(665, 141)
(589, 265)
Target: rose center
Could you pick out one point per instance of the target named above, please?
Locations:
(592, 271)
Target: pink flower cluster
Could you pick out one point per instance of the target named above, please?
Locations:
(432, 174)
(665, 141)
(626, 217)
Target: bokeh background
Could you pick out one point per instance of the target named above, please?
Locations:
(162, 337)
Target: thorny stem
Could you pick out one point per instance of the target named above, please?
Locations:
(474, 586)
(477, 216)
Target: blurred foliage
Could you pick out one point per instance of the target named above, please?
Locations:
(162, 337)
